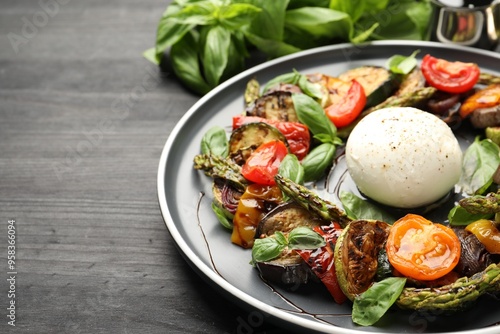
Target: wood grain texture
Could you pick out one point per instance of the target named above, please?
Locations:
(83, 120)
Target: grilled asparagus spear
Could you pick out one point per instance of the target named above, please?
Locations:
(311, 201)
(452, 297)
(252, 91)
(216, 166)
(488, 79)
(479, 204)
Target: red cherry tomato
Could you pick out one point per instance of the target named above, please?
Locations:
(452, 77)
(262, 165)
(347, 100)
(296, 134)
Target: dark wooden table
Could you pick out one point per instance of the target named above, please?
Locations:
(83, 120)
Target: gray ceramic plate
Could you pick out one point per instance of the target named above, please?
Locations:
(185, 198)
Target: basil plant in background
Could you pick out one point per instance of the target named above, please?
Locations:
(207, 41)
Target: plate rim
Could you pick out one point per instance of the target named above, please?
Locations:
(215, 280)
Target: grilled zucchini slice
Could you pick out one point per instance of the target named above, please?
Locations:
(378, 82)
(277, 105)
(245, 139)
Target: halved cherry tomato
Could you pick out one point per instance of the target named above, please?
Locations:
(451, 77)
(485, 98)
(255, 202)
(321, 260)
(347, 100)
(489, 235)
(296, 134)
(262, 165)
(422, 250)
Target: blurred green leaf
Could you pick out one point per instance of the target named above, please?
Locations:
(215, 54)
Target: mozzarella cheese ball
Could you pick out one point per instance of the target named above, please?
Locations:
(403, 157)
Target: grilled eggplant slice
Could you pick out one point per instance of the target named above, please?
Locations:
(285, 217)
(356, 255)
(289, 268)
(245, 139)
(378, 82)
(276, 105)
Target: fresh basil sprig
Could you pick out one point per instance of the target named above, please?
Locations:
(266, 249)
(215, 142)
(372, 304)
(480, 161)
(313, 116)
(275, 28)
(358, 208)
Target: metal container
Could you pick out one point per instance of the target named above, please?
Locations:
(468, 23)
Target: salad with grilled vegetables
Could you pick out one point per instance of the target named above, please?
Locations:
(394, 124)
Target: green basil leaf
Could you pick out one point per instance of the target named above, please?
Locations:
(320, 22)
(215, 142)
(394, 21)
(215, 54)
(150, 54)
(185, 63)
(358, 208)
(236, 58)
(221, 217)
(481, 160)
(197, 13)
(314, 90)
(280, 238)
(305, 238)
(458, 216)
(324, 138)
(313, 116)
(419, 13)
(291, 168)
(363, 35)
(376, 5)
(235, 16)
(372, 304)
(266, 249)
(355, 8)
(269, 22)
(308, 3)
(271, 47)
(168, 33)
(317, 161)
(402, 65)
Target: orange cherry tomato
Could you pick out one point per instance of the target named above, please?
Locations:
(347, 101)
(262, 165)
(489, 235)
(451, 77)
(296, 134)
(420, 249)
